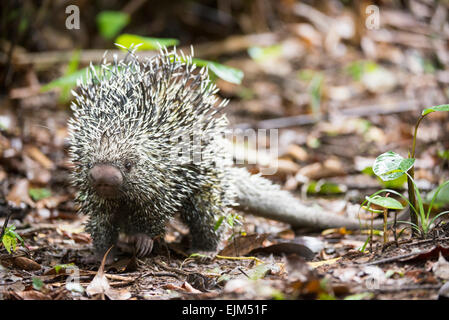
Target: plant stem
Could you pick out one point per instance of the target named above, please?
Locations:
(414, 136)
(371, 233)
(412, 198)
(385, 225)
(411, 172)
(8, 215)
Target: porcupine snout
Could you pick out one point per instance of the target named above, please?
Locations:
(106, 180)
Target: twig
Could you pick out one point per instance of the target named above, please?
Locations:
(356, 112)
(244, 273)
(5, 224)
(176, 270)
(132, 6)
(27, 232)
(391, 259)
(232, 44)
(162, 274)
(239, 258)
(402, 288)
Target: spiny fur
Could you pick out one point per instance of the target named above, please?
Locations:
(137, 111)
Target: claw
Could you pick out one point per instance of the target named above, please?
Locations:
(143, 245)
(139, 244)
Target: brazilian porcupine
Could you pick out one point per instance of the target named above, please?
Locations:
(132, 124)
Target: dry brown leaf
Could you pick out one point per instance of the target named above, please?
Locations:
(34, 153)
(32, 295)
(100, 285)
(329, 168)
(322, 263)
(441, 268)
(243, 245)
(188, 288)
(51, 202)
(19, 194)
(26, 264)
(285, 166)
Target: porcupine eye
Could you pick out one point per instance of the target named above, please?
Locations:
(128, 165)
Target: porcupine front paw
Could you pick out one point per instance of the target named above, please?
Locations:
(139, 244)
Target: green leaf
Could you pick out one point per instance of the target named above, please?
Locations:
(10, 237)
(371, 209)
(219, 223)
(37, 283)
(110, 23)
(60, 267)
(314, 90)
(198, 255)
(443, 107)
(392, 184)
(259, 272)
(326, 296)
(306, 74)
(443, 154)
(15, 235)
(226, 73)
(442, 198)
(315, 187)
(390, 165)
(64, 96)
(260, 54)
(385, 202)
(358, 68)
(390, 273)
(39, 193)
(360, 296)
(230, 220)
(147, 43)
(8, 242)
(73, 63)
(68, 81)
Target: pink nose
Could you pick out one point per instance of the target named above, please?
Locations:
(106, 180)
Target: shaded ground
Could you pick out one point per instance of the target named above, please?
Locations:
(339, 94)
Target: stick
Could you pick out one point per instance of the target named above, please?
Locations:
(5, 224)
(48, 59)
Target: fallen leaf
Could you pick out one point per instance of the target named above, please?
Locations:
(297, 269)
(322, 263)
(188, 288)
(32, 295)
(434, 252)
(38, 156)
(441, 268)
(19, 194)
(443, 293)
(288, 247)
(262, 270)
(243, 245)
(421, 276)
(100, 285)
(26, 264)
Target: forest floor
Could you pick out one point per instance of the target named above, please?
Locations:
(336, 106)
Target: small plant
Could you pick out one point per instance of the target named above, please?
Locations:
(390, 166)
(10, 238)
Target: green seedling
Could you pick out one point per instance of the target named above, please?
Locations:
(390, 166)
(10, 239)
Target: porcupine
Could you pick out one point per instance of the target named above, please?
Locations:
(131, 122)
